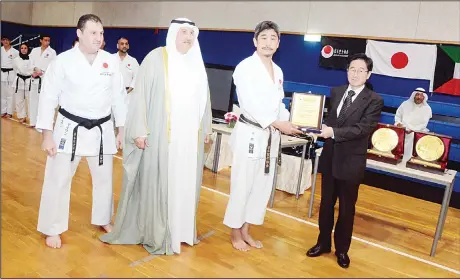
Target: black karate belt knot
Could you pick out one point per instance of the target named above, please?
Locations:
(24, 78)
(39, 84)
(244, 120)
(88, 124)
(7, 70)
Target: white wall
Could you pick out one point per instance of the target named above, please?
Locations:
(428, 20)
(291, 16)
(19, 12)
(59, 13)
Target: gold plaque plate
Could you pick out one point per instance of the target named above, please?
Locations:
(384, 139)
(429, 148)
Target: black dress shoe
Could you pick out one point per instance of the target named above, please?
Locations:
(343, 260)
(317, 250)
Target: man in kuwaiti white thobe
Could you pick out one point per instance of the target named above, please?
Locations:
(40, 58)
(128, 65)
(8, 54)
(168, 122)
(414, 115)
(86, 93)
(255, 140)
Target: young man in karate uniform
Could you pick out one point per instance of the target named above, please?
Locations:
(40, 58)
(87, 93)
(255, 140)
(8, 54)
(128, 65)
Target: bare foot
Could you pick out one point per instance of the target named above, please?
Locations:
(248, 238)
(108, 228)
(53, 241)
(237, 242)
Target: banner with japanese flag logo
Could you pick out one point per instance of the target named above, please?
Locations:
(404, 60)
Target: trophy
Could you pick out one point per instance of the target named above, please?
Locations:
(386, 144)
(430, 152)
(307, 112)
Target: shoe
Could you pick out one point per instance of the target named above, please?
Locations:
(343, 260)
(317, 250)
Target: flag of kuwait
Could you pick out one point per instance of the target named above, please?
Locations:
(447, 71)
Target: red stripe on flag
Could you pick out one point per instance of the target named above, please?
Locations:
(452, 87)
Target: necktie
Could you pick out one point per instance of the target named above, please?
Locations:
(345, 106)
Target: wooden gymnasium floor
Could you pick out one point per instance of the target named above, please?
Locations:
(393, 233)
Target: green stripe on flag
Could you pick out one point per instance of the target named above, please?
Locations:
(453, 52)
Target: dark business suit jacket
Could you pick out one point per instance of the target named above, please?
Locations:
(344, 157)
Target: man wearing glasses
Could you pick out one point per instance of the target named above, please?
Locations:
(354, 113)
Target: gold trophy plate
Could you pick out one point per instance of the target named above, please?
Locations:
(429, 148)
(385, 139)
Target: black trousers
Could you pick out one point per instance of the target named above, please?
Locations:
(347, 193)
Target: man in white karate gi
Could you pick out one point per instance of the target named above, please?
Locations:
(86, 93)
(255, 140)
(40, 58)
(414, 115)
(128, 65)
(8, 75)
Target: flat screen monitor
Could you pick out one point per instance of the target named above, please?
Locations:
(221, 87)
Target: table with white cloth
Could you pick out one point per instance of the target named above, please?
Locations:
(445, 179)
(286, 141)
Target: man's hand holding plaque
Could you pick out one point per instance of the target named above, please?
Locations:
(286, 127)
(307, 112)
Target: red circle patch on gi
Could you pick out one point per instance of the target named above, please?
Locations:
(129, 65)
(105, 65)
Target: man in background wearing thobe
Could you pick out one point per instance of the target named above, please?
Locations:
(128, 65)
(413, 115)
(8, 54)
(40, 58)
(255, 140)
(87, 93)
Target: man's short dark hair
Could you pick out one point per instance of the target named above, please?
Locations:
(364, 57)
(266, 25)
(43, 35)
(122, 38)
(85, 18)
(4, 37)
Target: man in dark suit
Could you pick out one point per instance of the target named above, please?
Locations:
(353, 114)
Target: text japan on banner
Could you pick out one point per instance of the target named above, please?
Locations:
(335, 51)
(404, 60)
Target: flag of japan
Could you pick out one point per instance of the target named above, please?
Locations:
(413, 61)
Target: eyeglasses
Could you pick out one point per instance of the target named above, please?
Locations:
(359, 71)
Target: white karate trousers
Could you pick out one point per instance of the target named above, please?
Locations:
(7, 97)
(33, 103)
(250, 190)
(20, 98)
(53, 216)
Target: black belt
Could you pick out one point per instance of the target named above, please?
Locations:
(127, 88)
(88, 124)
(243, 119)
(7, 70)
(24, 78)
(39, 83)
